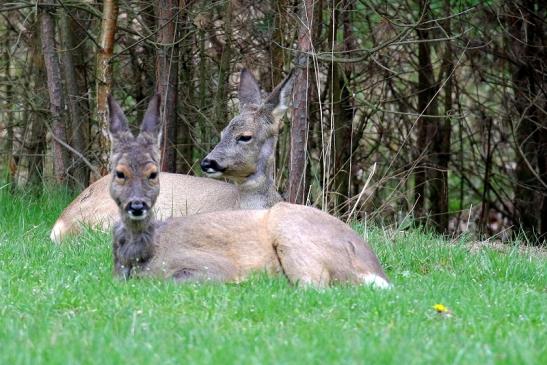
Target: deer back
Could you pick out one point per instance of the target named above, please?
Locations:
(180, 195)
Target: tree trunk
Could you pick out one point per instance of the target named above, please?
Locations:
(527, 46)
(343, 116)
(186, 94)
(56, 99)
(78, 169)
(77, 24)
(167, 78)
(36, 145)
(278, 58)
(143, 61)
(441, 143)
(428, 106)
(278, 42)
(205, 133)
(221, 98)
(104, 79)
(486, 123)
(11, 166)
(297, 184)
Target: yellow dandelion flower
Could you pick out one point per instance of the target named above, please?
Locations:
(441, 308)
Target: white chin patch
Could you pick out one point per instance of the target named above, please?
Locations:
(138, 217)
(212, 173)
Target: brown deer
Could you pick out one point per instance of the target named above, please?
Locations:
(246, 151)
(245, 155)
(308, 246)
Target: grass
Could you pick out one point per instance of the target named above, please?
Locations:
(60, 305)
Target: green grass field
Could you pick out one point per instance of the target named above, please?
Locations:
(60, 305)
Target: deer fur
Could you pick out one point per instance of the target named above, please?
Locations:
(249, 165)
(246, 151)
(308, 246)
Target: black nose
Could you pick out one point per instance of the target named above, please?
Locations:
(208, 165)
(137, 207)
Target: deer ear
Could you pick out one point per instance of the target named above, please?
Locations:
(151, 121)
(249, 91)
(117, 121)
(279, 100)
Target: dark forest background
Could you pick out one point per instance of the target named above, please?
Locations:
(408, 111)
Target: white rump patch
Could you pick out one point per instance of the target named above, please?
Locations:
(57, 232)
(376, 281)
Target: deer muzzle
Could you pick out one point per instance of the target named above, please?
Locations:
(211, 167)
(137, 210)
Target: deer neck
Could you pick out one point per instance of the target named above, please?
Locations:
(133, 244)
(258, 190)
(137, 230)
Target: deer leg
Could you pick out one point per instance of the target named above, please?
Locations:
(300, 267)
(185, 274)
(192, 275)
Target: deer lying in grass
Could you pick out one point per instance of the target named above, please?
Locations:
(307, 245)
(246, 151)
(245, 154)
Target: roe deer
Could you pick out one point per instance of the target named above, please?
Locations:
(246, 151)
(308, 246)
(248, 162)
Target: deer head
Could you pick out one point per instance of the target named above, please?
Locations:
(135, 162)
(247, 145)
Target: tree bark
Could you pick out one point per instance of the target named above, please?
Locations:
(11, 166)
(441, 142)
(205, 133)
(167, 78)
(55, 89)
(77, 24)
(143, 61)
(104, 79)
(278, 42)
(527, 45)
(486, 125)
(428, 106)
(343, 114)
(187, 93)
(221, 98)
(78, 169)
(297, 184)
(36, 145)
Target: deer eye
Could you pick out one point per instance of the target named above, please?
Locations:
(120, 175)
(244, 138)
(153, 176)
